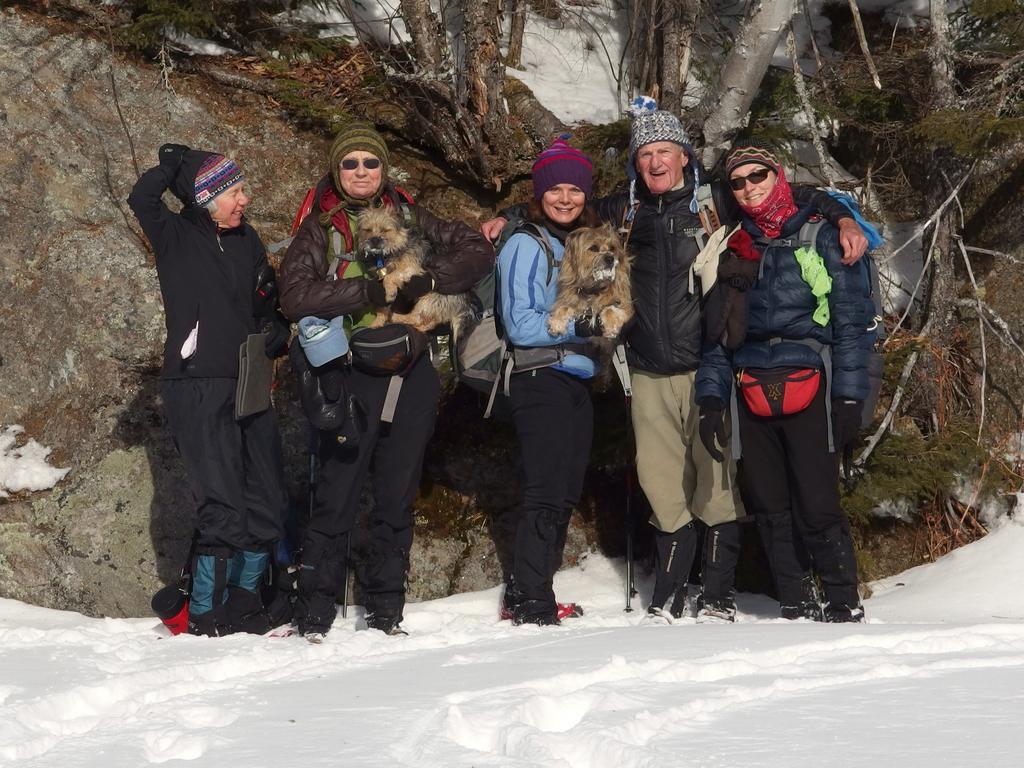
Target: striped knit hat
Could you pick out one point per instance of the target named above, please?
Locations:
(562, 164)
(354, 137)
(216, 174)
(751, 152)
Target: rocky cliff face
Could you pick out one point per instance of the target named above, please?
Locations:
(81, 325)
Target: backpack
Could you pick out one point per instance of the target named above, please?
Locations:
(480, 356)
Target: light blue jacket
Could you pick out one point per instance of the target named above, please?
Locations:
(527, 292)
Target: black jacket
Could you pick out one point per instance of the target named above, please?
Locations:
(205, 277)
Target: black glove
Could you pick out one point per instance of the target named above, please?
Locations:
(846, 416)
(264, 301)
(589, 325)
(170, 155)
(412, 291)
(712, 425)
(277, 331)
(375, 293)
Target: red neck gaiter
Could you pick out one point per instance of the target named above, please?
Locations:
(773, 212)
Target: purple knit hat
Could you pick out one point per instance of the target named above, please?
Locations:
(216, 174)
(562, 164)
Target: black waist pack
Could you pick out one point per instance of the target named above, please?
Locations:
(391, 350)
(325, 400)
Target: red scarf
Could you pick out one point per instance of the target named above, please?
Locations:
(773, 212)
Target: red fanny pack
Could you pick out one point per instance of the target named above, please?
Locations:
(778, 391)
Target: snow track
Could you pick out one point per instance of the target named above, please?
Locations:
(605, 690)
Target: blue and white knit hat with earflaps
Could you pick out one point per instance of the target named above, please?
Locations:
(650, 124)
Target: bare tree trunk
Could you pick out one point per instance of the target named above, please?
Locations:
(485, 86)
(515, 38)
(940, 301)
(672, 46)
(429, 40)
(725, 109)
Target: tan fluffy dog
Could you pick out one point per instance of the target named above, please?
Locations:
(594, 279)
(397, 253)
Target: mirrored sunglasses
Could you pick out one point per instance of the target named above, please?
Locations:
(755, 177)
(351, 163)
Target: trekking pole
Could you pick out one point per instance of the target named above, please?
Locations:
(344, 571)
(622, 370)
(630, 490)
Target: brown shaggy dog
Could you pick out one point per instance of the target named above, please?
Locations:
(594, 279)
(396, 253)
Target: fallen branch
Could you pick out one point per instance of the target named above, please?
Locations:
(862, 39)
(988, 252)
(995, 323)
(805, 102)
(917, 285)
(889, 414)
(935, 216)
(981, 331)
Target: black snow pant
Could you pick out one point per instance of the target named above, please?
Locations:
(554, 420)
(791, 483)
(235, 469)
(393, 452)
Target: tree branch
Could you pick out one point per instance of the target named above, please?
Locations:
(859, 26)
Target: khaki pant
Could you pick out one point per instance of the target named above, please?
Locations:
(678, 475)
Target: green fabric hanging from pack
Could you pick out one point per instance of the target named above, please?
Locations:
(814, 273)
(354, 269)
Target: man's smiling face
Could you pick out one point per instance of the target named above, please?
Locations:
(660, 165)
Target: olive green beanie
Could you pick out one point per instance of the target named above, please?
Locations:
(352, 138)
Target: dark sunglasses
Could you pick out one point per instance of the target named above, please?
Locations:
(755, 177)
(351, 163)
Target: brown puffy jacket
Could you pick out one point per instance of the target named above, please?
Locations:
(460, 257)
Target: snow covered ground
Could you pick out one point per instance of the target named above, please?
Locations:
(936, 678)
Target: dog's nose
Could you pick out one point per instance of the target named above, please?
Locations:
(609, 261)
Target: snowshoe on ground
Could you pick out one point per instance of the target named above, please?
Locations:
(844, 614)
(810, 610)
(721, 611)
(510, 598)
(656, 615)
(568, 611)
(314, 637)
(389, 625)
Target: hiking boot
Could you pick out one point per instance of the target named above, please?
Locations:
(538, 619)
(844, 614)
(808, 609)
(674, 558)
(807, 606)
(682, 606)
(510, 598)
(720, 611)
(537, 612)
(204, 625)
(389, 625)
